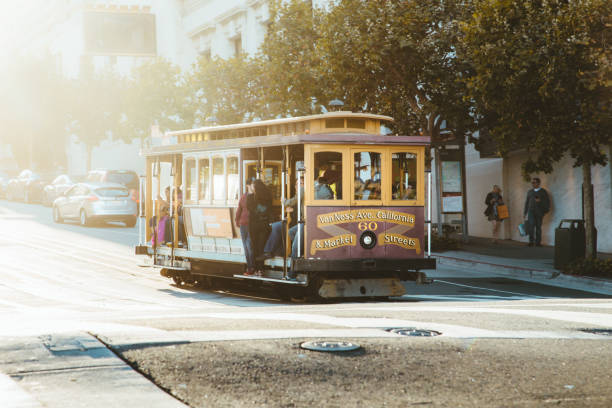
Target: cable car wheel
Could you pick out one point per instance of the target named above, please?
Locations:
(315, 282)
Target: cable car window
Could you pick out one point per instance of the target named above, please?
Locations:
(233, 180)
(404, 176)
(334, 123)
(327, 176)
(367, 173)
(218, 179)
(356, 123)
(204, 179)
(190, 179)
(271, 178)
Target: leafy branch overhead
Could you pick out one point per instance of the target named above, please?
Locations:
(541, 77)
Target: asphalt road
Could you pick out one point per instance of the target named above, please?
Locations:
(68, 294)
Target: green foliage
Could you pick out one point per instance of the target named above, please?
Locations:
(292, 78)
(394, 58)
(541, 81)
(541, 77)
(94, 107)
(225, 89)
(154, 95)
(595, 267)
(443, 243)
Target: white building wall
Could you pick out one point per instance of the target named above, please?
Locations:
(564, 186)
(482, 174)
(110, 154)
(214, 25)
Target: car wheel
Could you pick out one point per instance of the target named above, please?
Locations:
(83, 218)
(57, 216)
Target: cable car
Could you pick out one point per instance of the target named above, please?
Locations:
(359, 232)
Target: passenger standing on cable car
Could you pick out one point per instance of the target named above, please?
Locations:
(259, 205)
(242, 220)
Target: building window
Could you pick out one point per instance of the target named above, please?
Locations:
(206, 54)
(237, 43)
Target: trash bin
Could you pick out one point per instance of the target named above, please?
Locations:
(570, 242)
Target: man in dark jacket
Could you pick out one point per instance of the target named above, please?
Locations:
(537, 205)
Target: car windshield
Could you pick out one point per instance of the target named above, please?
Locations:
(112, 192)
(127, 179)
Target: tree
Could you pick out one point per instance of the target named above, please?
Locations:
(225, 89)
(292, 83)
(541, 82)
(398, 58)
(154, 94)
(95, 110)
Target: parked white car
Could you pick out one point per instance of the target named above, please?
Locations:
(89, 202)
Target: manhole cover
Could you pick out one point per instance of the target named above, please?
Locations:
(603, 332)
(413, 331)
(329, 346)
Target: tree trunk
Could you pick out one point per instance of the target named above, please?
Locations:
(589, 211)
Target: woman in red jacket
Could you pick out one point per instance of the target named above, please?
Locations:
(242, 220)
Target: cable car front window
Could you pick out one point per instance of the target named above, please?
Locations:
(328, 176)
(367, 173)
(271, 178)
(404, 176)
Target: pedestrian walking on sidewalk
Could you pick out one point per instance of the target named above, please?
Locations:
(493, 200)
(537, 204)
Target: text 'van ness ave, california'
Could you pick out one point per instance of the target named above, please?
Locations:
(342, 217)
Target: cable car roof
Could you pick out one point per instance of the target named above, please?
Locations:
(274, 122)
(280, 140)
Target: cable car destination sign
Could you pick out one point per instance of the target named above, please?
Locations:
(366, 219)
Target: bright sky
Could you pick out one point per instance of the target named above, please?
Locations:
(17, 19)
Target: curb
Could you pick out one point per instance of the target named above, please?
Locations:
(550, 277)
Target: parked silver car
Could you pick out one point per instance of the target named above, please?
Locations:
(87, 202)
(57, 187)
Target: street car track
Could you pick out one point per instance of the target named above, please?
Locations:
(522, 295)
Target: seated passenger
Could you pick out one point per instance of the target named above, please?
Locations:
(322, 189)
(162, 229)
(410, 193)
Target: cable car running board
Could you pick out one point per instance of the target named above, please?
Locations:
(260, 278)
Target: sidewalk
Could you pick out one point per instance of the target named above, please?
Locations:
(72, 370)
(516, 260)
